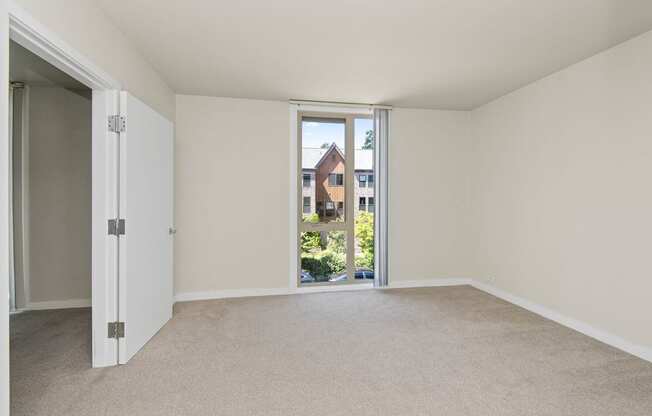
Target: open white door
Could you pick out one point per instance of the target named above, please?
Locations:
(145, 264)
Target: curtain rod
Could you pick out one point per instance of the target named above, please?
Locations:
(338, 104)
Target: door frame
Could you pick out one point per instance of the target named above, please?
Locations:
(32, 35)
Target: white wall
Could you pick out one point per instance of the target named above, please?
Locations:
(231, 194)
(59, 195)
(232, 187)
(564, 201)
(83, 26)
(429, 173)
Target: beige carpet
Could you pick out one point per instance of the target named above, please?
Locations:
(430, 351)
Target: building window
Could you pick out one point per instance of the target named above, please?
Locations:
(362, 179)
(330, 209)
(370, 181)
(372, 204)
(362, 203)
(306, 180)
(306, 205)
(336, 179)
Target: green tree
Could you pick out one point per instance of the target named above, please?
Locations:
(368, 140)
(364, 234)
(325, 145)
(336, 241)
(311, 240)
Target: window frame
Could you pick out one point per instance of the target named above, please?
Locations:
(347, 181)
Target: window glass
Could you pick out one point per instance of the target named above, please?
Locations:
(364, 215)
(325, 233)
(323, 154)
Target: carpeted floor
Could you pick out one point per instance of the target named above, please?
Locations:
(428, 351)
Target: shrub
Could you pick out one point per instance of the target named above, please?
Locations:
(314, 266)
(324, 264)
(335, 262)
(365, 261)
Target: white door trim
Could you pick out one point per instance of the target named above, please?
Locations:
(32, 35)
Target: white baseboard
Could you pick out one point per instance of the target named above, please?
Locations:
(334, 288)
(246, 293)
(579, 326)
(429, 283)
(18, 311)
(59, 304)
(230, 293)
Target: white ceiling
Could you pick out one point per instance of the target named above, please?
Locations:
(447, 54)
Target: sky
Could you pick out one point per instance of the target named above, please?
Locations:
(317, 133)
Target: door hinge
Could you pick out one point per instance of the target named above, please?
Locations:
(116, 330)
(116, 227)
(117, 124)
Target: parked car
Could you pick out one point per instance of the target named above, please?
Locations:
(306, 277)
(361, 273)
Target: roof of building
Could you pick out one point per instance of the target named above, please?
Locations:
(364, 158)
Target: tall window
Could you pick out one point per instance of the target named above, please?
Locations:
(336, 240)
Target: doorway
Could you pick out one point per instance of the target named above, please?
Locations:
(51, 131)
(50, 209)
